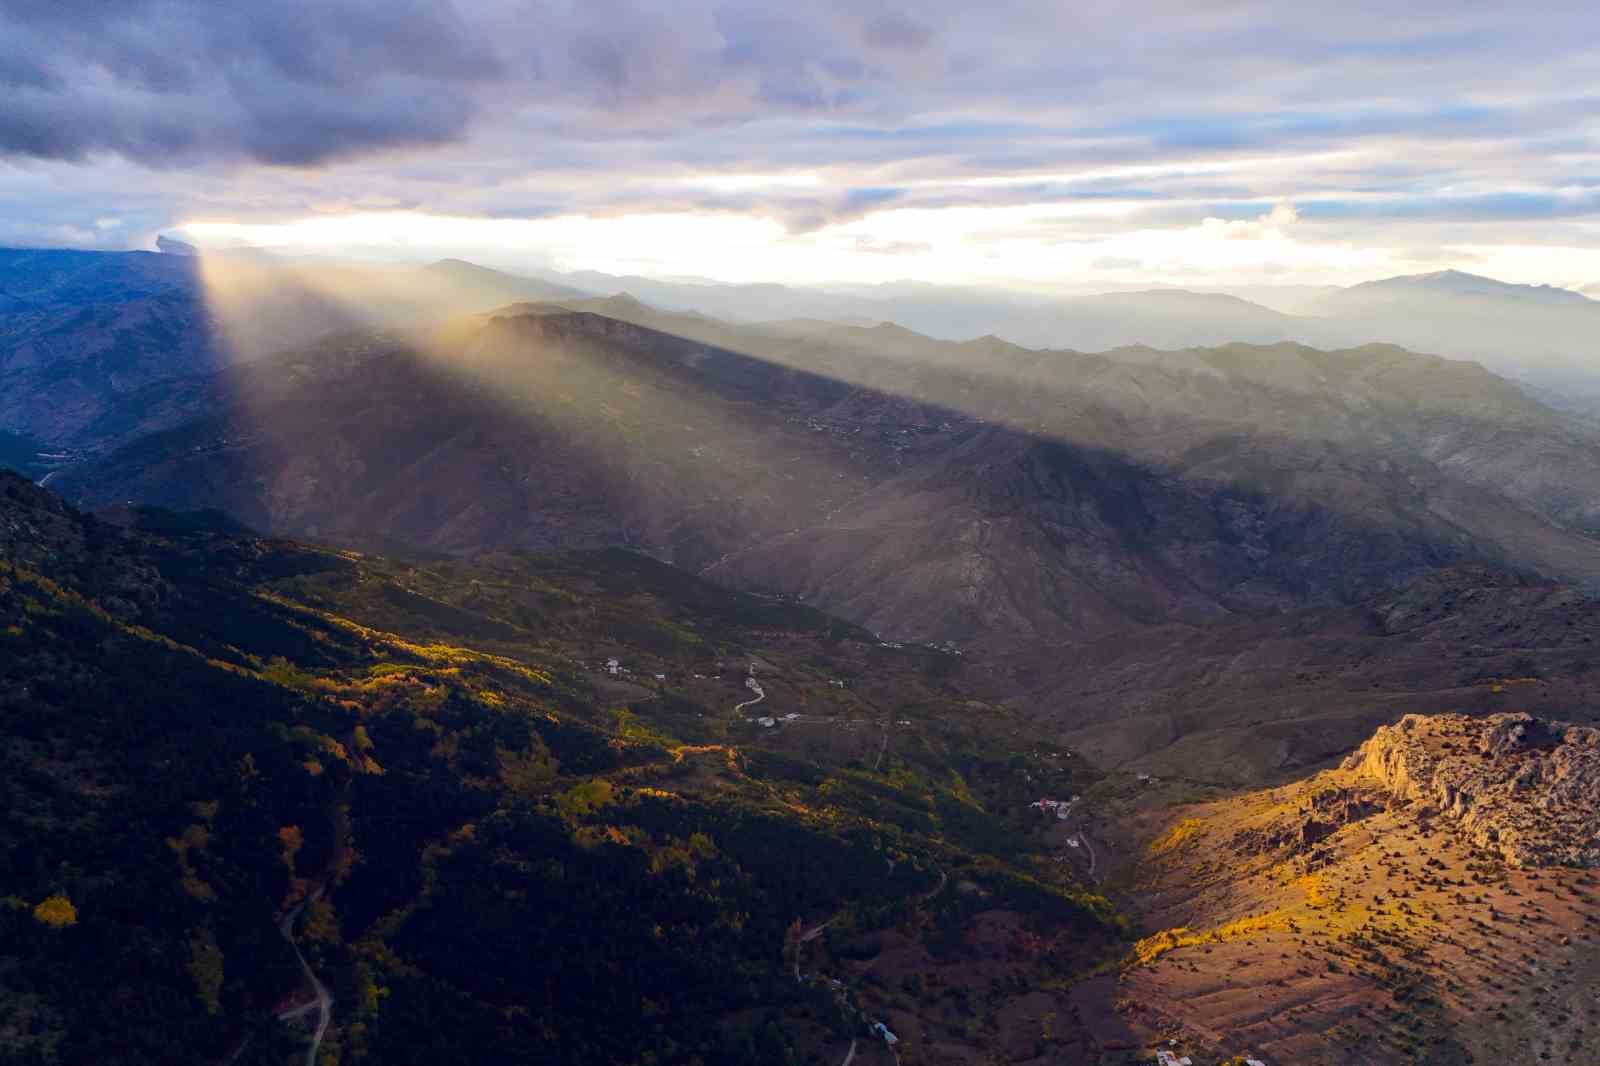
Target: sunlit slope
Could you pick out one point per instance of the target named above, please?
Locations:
(930, 490)
(1429, 901)
(470, 826)
(81, 330)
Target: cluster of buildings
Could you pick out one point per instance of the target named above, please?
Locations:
(1062, 809)
(1172, 1058)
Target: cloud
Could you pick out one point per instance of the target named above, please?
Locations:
(296, 82)
(1376, 123)
(873, 246)
(1270, 225)
(1457, 257)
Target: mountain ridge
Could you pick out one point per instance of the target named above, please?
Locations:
(819, 411)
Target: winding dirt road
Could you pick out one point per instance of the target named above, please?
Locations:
(754, 686)
(323, 1004)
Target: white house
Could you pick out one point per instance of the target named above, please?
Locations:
(1062, 809)
(613, 667)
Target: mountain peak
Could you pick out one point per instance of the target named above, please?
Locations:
(1461, 283)
(168, 246)
(623, 301)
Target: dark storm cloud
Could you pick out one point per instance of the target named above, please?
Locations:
(303, 81)
(294, 81)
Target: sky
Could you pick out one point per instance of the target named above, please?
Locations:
(1016, 143)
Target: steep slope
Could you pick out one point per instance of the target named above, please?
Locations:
(1457, 414)
(1428, 902)
(83, 331)
(259, 794)
(972, 492)
(77, 328)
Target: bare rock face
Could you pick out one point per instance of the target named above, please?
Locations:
(1317, 818)
(1523, 786)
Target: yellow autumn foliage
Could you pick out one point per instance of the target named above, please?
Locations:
(1177, 836)
(57, 912)
(1153, 947)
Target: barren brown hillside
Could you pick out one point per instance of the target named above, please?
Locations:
(1350, 918)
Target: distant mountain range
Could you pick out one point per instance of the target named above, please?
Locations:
(1537, 334)
(977, 492)
(79, 328)
(1453, 283)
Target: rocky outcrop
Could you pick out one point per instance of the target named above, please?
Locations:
(1318, 817)
(1523, 786)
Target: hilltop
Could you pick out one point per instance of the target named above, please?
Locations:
(1431, 900)
(1521, 786)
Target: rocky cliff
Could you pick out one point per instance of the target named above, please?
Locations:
(1526, 787)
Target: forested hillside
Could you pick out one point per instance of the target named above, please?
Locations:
(224, 753)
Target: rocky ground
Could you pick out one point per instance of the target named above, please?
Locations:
(1522, 786)
(1429, 901)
